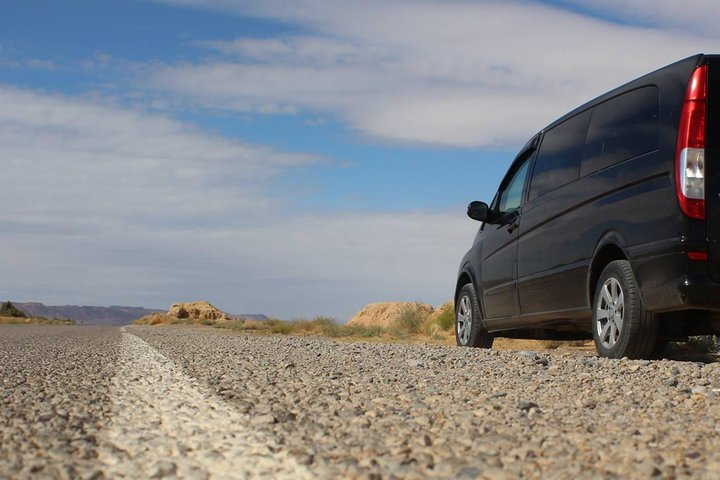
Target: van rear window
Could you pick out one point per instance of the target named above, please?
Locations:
(622, 128)
(558, 161)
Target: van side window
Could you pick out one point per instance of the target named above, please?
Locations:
(561, 151)
(622, 128)
(511, 196)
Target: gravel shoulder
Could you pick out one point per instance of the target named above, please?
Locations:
(82, 402)
(365, 409)
(54, 384)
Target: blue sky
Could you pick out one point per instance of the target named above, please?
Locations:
(293, 158)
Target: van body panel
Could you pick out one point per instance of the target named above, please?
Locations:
(712, 170)
(498, 271)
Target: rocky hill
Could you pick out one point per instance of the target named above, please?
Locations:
(387, 314)
(194, 312)
(86, 315)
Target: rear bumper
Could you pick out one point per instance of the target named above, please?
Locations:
(672, 282)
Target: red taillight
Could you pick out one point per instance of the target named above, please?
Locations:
(690, 154)
(698, 256)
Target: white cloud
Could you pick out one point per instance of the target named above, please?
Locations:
(107, 205)
(78, 160)
(454, 72)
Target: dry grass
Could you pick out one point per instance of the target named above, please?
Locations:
(410, 326)
(536, 345)
(158, 319)
(34, 321)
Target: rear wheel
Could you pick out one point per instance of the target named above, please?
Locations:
(621, 326)
(469, 330)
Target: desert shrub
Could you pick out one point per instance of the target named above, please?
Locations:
(318, 326)
(253, 325)
(154, 319)
(399, 332)
(324, 326)
(7, 309)
(281, 327)
(410, 320)
(233, 325)
(438, 325)
(446, 319)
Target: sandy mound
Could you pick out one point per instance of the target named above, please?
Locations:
(386, 314)
(197, 311)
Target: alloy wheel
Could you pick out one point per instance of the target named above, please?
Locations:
(610, 312)
(464, 320)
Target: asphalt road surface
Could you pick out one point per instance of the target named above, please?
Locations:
(167, 402)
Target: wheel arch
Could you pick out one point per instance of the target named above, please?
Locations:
(467, 275)
(611, 247)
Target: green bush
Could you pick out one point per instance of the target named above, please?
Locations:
(411, 320)
(325, 326)
(7, 309)
(446, 319)
(283, 328)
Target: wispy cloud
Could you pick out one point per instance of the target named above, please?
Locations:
(76, 159)
(11, 58)
(453, 72)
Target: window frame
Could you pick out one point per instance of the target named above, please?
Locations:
(585, 169)
(543, 133)
(526, 156)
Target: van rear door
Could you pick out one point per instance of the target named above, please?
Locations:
(712, 166)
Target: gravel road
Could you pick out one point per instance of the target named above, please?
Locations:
(81, 402)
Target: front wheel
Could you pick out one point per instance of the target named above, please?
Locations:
(469, 330)
(621, 326)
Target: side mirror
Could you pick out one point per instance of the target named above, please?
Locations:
(479, 211)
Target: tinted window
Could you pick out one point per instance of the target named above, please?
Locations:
(561, 151)
(622, 128)
(511, 196)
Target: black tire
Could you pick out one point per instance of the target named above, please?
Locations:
(621, 326)
(469, 330)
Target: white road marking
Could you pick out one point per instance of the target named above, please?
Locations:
(167, 425)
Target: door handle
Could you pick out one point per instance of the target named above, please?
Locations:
(513, 226)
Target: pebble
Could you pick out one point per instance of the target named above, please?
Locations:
(162, 468)
(526, 405)
(263, 419)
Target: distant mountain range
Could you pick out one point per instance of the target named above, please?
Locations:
(88, 315)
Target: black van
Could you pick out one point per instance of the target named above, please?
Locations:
(607, 222)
